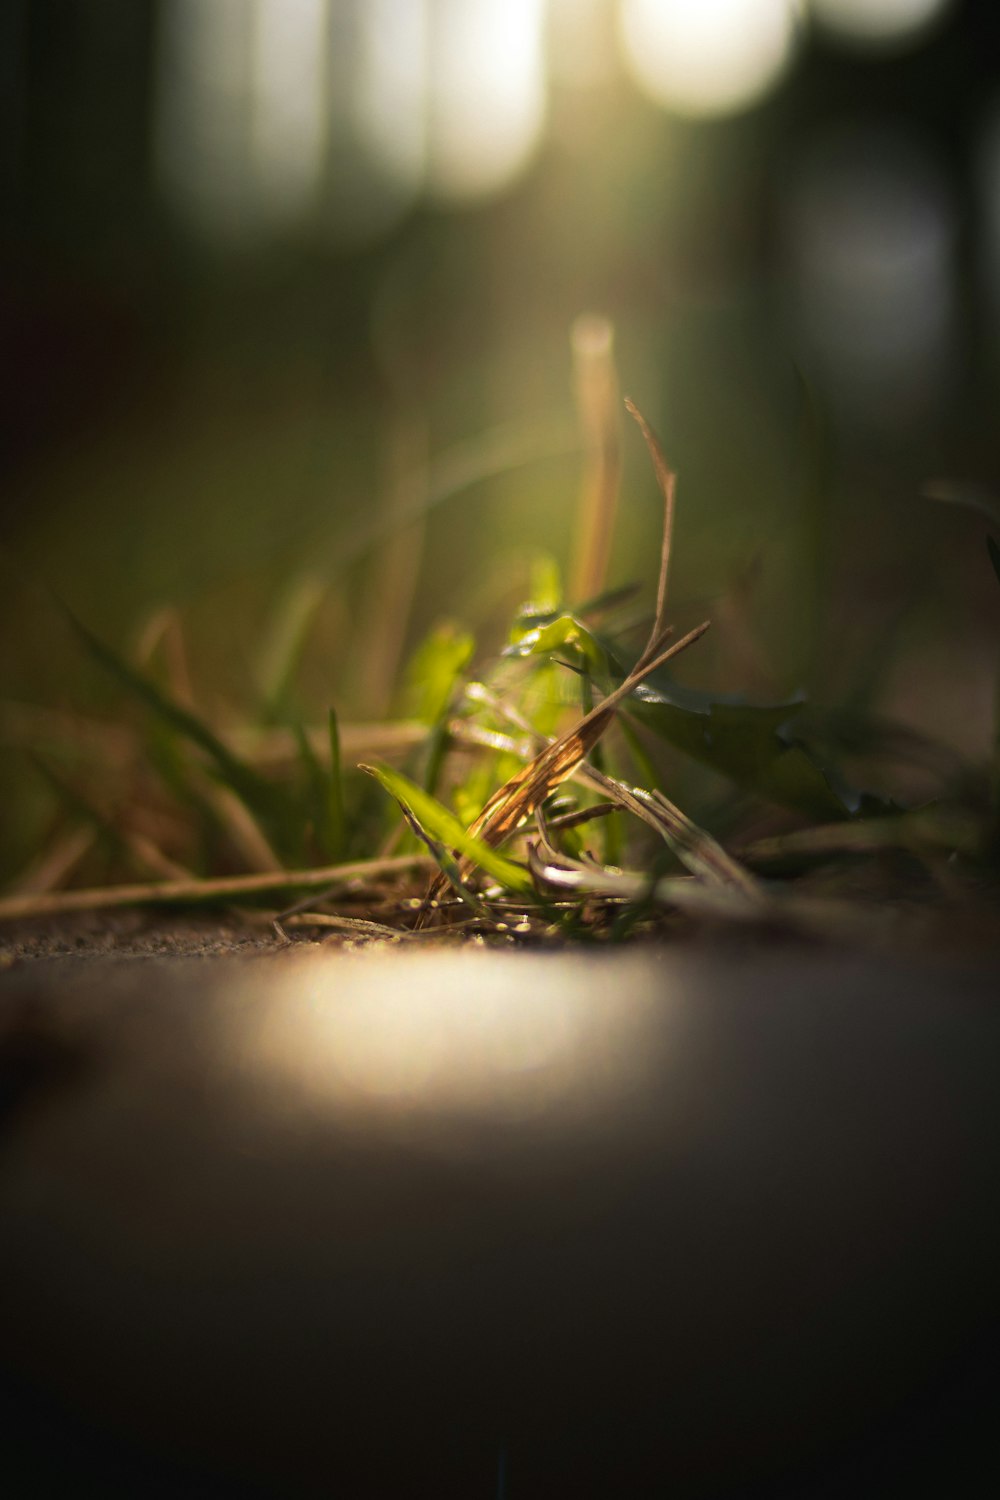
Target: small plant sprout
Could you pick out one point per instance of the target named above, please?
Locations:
(534, 786)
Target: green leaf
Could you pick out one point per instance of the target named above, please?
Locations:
(444, 827)
(554, 635)
(753, 746)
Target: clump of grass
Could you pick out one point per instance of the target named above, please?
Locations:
(531, 805)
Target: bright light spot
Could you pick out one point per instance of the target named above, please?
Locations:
(581, 42)
(376, 132)
(447, 1032)
(871, 236)
(391, 94)
(487, 94)
(271, 112)
(203, 113)
(287, 102)
(707, 57)
(879, 22)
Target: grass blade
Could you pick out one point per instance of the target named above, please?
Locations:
(336, 812)
(446, 829)
(263, 799)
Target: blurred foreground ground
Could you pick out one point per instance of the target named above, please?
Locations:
(688, 1223)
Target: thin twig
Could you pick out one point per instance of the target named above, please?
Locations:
(667, 480)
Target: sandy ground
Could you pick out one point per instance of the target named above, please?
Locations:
(140, 934)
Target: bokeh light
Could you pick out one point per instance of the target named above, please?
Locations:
(710, 58)
(204, 115)
(581, 42)
(879, 22)
(272, 112)
(287, 102)
(449, 1031)
(376, 69)
(871, 241)
(389, 96)
(487, 94)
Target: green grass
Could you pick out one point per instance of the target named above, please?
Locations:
(523, 793)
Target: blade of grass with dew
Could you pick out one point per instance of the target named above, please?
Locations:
(448, 830)
(555, 635)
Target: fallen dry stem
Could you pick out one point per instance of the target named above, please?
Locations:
(189, 892)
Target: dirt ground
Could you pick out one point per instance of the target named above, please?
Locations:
(137, 933)
(877, 925)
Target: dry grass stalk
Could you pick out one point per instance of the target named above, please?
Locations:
(190, 892)
(595, 382)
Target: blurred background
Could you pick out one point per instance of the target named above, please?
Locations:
(286, 291)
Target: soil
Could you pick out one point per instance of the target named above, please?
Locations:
(137, 933)
(870, 922)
